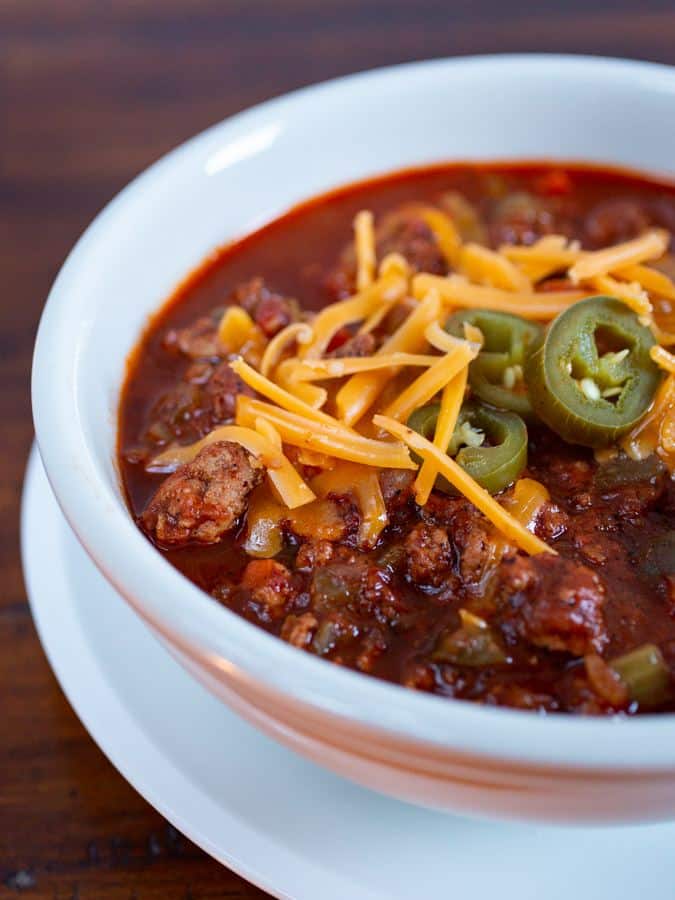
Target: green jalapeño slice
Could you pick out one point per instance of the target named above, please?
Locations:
(591, 378)
(489, 444)
(496, 375)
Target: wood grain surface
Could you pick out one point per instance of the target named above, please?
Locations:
(91, 92)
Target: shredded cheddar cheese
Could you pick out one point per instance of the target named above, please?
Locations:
(268, 431)
(311, 394)
(664, 337)
(272, 391)
(553, 254)
(649, 279)
(235, 328)
(430, 382)
(356, 397)
(465, 484)
(650, 245)
(364, 486)
(524, 502)
(299, 332)
(458, 291)
(550, 254)
(445, 342)
(483, 266)
(443, 229)
(304, 405)
(451, 403)
(630, 293)
(474, 334)
(364, 241)
(318, 369)
(387, 290)
(663, 359)
(332, 439)
(655, 432)
(248, 438)
(394, 264)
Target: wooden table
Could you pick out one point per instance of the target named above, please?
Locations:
(91, 93)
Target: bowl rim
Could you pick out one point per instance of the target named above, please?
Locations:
(199, 625)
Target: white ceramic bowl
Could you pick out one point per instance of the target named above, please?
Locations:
(229, 180)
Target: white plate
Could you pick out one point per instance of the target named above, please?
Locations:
(278, 820)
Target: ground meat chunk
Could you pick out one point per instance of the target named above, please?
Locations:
(401, 231)
(522, 218)
(203, 499)
(475, 547)
(419, 677)
(222, 390)
(199, 340)
(271, 588)
(552, 602)
(299, 630)
(270, 311)
(616, 220)
(429, 555)
(552, 522)
(410, 236)
(377, 598)
(359, 345)
(470, 532)
(592, 541)
(313, 554)
(396, 485)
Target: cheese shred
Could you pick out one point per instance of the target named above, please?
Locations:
(663, 359)
(386, 291)
(648, 246)
(507, 524)
(458, 291)
(332, 439)
(318, 369)
(483, 266)
(451, 403)
(444, 231)
(364, 241)
(430, 382)
(356, 397)
(272, 391)
(235, 328)
(299, 332)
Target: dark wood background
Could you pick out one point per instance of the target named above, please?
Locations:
(91, 92)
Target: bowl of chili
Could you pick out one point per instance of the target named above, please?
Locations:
(582, 365)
